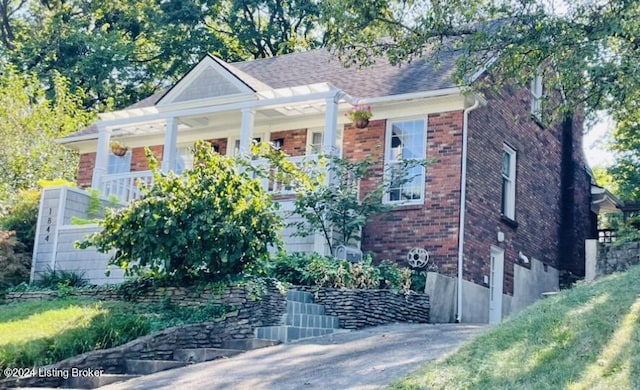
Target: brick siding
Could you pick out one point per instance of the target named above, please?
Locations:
(294, 141)
(433, 225)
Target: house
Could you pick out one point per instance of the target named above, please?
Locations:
(504, 210)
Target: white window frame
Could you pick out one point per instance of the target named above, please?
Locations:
(231, 146)
(184, 153)
(390, 160)
(310, 146)
(508, 193)
(537, 95)
(114, 162)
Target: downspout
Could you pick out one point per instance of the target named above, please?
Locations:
(463, 200)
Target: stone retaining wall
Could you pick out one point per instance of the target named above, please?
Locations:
(357, 309)
(616, 257)
(237, 325)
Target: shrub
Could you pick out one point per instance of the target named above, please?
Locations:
(311, 269)
(209, 222)
(15, 263)
(61, 280)
(22, 217)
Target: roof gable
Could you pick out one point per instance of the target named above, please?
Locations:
(210, 78)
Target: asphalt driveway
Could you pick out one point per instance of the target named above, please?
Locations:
(365, 359)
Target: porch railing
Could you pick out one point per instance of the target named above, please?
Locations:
(273, 183)
(125, 185)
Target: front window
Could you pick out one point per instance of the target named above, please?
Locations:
(315, 142)
(119, 164)
(405, 141)
(508, 206)
(184, 158)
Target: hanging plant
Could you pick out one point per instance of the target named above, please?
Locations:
(360, 116)
(118, 148)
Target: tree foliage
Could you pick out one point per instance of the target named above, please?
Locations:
(328, 196)
(592, 46)
(29, 125)
(207, 223)
(122, 51)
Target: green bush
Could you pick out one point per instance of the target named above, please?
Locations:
(61, 280)
(209, 222)
(324, 271)
(22, 216)
(15, 262)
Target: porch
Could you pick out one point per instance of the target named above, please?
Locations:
(301, 121)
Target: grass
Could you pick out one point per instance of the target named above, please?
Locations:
(584, 338)
(43, 332)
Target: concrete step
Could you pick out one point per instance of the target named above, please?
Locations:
(199, 355)
(286, 333)
(95, 382)
(311, 321)
(248, 344)
(304, 308)
(146, 367)
(299, 296)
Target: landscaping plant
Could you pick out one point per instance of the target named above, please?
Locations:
(209, 222)
(328, 196)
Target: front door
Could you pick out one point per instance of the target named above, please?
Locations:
(495, 285)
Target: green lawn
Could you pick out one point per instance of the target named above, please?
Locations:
(43, 332)
(584, 338)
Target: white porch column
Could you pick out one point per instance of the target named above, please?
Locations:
(246, 130)
(170, 150)
(330, 139)
(102, 156)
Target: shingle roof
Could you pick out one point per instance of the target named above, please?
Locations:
(319, 66)
(380, 79)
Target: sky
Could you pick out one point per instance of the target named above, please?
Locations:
(595, 143)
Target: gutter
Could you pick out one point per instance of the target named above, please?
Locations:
(463, 207)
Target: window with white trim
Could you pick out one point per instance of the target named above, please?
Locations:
(315, 141)
(405, 140)
(236, 146)
(536, 98)
(184, 158)
(119, 164)
(508, 204)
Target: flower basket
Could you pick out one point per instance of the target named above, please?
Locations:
(118, 149)
(361, 123)
(360, 116)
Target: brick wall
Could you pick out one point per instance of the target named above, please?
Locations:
(294, 141)
(139, 160)
(506, 119)
(85, 169)
(434, 225)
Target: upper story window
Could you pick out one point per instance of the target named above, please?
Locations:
(536, 98)
(405, 140)
(508, 205)
(119, 164)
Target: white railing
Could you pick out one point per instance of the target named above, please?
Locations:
(272, 183)
(125, 185)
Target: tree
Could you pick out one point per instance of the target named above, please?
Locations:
(625, 172)
(592, 48)
(29, 125)
(328, 197)
(266, 28)
(120, 52)
(208, 223)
